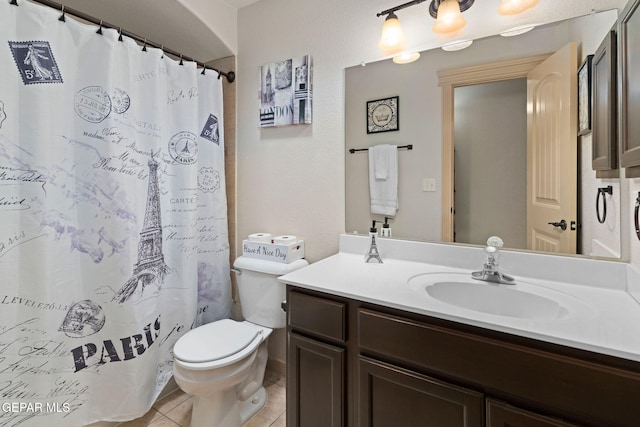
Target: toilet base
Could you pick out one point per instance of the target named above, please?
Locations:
(219, 410)
(252, 406)
(224, 410)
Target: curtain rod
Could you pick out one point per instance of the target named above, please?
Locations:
(353, 150)
(229, 75)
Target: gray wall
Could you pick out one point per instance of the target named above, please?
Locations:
(491, 162)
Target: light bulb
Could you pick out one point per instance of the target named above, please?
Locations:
(449, 18)
(392, 39)
(513, 7)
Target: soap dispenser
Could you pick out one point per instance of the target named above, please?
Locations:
(386, 229)
(373, 254)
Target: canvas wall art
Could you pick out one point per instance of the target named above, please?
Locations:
(285, 92)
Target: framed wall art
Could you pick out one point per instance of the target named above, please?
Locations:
(383, 115)
(286, 92)
(584, 96)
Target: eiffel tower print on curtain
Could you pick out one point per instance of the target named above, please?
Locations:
(150, 268)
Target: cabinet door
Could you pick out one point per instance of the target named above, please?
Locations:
(500, 414)
(604, 136)
(630, 86)
(392, 397)
(315, 383)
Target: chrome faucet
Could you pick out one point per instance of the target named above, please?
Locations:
(491, 271)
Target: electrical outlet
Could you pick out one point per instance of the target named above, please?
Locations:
(428, 184)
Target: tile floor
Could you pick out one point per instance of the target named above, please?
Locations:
(175, 409)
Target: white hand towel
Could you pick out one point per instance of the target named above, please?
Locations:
(383, 162)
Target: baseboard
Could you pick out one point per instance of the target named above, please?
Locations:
(277, 366)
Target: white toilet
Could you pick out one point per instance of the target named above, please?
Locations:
(222, 364)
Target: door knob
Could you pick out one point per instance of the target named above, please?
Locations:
(562, 224)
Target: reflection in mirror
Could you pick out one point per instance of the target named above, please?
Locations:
(420, 213)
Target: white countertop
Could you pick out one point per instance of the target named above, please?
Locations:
(611, 326)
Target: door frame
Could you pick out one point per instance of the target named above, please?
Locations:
(448, 80)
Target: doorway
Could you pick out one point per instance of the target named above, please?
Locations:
(491, 162)
(550, 191)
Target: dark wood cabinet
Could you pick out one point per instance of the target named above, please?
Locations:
(316, 365)
(391, 396)
(500, 414)
(359, 364)
(604, 121)
(629, 52)
(315, 383)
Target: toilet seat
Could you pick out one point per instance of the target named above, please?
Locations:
(218, 344)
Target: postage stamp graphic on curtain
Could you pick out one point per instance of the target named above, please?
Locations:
(92, 103)
(210, 130)
(120, 101)
(183, 147)
(208, 179)
(35, 61)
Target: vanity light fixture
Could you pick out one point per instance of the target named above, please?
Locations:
(448, 15)
(392, 39)
(406, 58)
(514, 7)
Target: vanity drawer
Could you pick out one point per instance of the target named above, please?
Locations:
(595, 393)
(321, 317)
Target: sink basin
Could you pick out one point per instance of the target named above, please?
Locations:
(523, 300)
(497, 299)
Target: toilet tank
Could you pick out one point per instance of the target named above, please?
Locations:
(261, 294)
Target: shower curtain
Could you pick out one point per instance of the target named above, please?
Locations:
(113, 219)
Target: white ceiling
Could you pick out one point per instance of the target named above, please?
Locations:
(173, 24)
(166, 22)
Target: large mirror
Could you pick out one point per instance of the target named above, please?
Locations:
(489, 126)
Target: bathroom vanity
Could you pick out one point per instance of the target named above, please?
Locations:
(368, 345)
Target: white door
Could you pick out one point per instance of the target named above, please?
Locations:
(552, 158)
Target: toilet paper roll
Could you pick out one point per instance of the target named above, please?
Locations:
(284, 240)
(260, 237)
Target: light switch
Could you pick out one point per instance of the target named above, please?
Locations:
(428, 184)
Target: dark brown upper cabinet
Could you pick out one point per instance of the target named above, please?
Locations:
(604, 118)
(629, 45)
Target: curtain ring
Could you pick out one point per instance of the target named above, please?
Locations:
(181, 63)
(144, 46)
(601, 192)
(62, 18)
(635, 216)
(14, 2)
(204, 68)
(99, 31)
(120, 34)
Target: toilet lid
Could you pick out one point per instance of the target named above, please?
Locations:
(214, 341)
